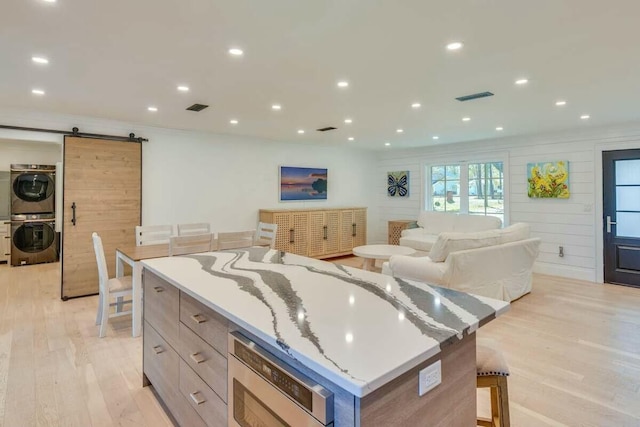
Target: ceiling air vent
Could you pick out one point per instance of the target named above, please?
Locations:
(326, 129)
(474, 96)
(197, 107)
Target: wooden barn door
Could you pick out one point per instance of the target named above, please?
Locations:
(102, 193)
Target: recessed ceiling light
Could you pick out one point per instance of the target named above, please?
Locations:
(343, 84)
(399, 130)
(276, 107)
(152, 109)
(49, 1)
(455, 45)
(416, 105)
(387, 144)
(348, 121)
(435, 137)
(466, 119)
(39, 60)
(499, 128)
(37, 91)
(183, 88)
(351, 138)
(235, 51)
(522, 81)
(585, 117)
(300, 131)
(233, 121)
(561, 103)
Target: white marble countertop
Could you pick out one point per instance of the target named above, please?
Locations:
(356, 328)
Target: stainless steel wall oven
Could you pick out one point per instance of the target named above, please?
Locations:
(263, 391)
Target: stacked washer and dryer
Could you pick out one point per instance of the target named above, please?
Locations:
(33, 231)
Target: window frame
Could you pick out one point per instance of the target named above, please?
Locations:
(427, 197)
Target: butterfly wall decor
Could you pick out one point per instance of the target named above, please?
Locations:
(398, 184)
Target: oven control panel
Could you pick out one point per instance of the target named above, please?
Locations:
(276, 376)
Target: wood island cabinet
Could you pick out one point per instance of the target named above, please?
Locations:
(185, 354)
(318, 233)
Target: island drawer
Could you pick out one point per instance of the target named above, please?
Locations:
(162, 307)
(210, 365)
(208, 405)
(209, 325)
(160, 362)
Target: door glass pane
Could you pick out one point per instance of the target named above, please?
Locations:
(33, 187)
(628, 224)
(628, 198)
(628, 172)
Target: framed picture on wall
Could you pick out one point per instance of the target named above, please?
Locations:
(548, 180)
(398, 184)
(302, 184)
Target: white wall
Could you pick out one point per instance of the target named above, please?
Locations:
(222, 179)
(39, 153)
(573, 223)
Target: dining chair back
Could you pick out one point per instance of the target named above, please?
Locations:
(118, 288)
(266, 234)
(236, 239)
(183, 245)
(192, 229)
(153, 234)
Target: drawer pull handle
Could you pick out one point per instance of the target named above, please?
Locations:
(198, 318)
(197, 357)
(158, 349)
(158, 289)
(195, 398)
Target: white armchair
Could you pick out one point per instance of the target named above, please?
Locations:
(496, 264)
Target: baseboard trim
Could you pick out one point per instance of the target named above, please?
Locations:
(586, 274)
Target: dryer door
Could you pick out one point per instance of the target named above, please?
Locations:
(32, 192)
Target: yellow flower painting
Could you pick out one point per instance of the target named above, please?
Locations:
(548, 180)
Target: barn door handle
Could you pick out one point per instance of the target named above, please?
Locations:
(609, 224)
(73, 216)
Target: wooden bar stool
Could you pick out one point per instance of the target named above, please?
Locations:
(492, 371)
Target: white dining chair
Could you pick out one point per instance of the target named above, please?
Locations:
(118, 287)
(266, 234)
(153, 234)
(236, 239)
(183, 245)
(195, 228)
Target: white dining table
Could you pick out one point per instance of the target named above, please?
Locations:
(132, 255)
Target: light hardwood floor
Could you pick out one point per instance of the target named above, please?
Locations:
(573, 348)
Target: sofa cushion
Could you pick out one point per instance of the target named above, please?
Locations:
(420, 242)
(453, 242)
(471, 223)
(436, 222)
(515, 232)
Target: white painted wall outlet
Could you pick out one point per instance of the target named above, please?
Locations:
(429, 378)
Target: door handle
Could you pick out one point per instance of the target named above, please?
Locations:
(73, 216)
(353, 232)
(324, 228)
(609, 224)
(291, 234)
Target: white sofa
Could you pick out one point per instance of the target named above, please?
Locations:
(431, 224)
(494, 263)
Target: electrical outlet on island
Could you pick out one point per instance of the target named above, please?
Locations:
(429, 378)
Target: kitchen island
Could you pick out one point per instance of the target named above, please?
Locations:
(361, 335)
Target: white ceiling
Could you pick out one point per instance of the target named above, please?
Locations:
(114, 58)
